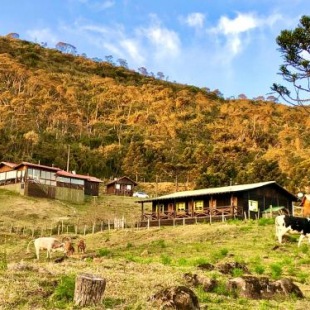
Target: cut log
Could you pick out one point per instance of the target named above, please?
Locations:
(88, 290)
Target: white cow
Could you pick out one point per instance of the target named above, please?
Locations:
(49, 244)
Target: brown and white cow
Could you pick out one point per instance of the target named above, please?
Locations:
(287, 223)
(49, 244)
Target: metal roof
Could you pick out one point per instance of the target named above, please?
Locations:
(77, 176)
(216, 190)
(116, 180)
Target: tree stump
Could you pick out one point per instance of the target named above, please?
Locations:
(88, 290)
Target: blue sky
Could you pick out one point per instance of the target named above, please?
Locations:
(228, 45)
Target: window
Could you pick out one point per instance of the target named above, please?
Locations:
(160, 208)
(198, 206)
(128, 187)
(77, 181)
(117, 186)
(180, 207)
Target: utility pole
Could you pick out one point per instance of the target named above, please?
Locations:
(68, 159)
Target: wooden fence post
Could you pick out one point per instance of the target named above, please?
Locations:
(88, 290)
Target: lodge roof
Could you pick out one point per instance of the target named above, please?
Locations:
(59, 172)
(116, 180)
(9, 164)
(77, 176)
(218, 190)
(25, 163)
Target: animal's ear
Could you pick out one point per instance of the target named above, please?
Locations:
(66, 239)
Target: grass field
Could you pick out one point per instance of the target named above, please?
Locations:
(137, 263)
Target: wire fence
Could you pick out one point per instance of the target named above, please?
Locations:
(62, 227)
(65, 227)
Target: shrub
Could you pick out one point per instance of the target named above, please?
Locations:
(104, 252)
(304, 249)
(221, 289)
(182, 262)
(237, 272)
(216, 256)
(166, 260)
(224, 252)
(259, 269)
(160, 243)
(276, 270)
(200, 261)
(64, 291)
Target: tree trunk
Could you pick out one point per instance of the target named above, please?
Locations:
(89, 289)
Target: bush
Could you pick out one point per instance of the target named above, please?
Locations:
(64, 291)
(237, 272)
(104, 252)
(259, 269)
(276, 271)
(166, 260)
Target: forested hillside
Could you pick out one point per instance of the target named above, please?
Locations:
(118, 122)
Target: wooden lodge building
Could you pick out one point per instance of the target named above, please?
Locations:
(50, 182)
(236, 201)
(123, 186)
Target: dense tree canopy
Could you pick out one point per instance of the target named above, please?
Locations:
(119, 122)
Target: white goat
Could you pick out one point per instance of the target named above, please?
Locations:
(49, 244)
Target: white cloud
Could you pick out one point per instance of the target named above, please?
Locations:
(132, 48)
(237, 31)
(242, 23)
(195, 20)
(42, 35)
(110, 40)
(165, 42)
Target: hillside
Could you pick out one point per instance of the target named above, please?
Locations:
(118, 122)
(139, 263)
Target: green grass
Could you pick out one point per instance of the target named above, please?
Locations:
(137, 263)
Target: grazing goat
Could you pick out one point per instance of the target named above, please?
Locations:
(49, 244)
(81, 246)
(69, 249)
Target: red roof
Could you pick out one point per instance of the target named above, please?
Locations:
(6, 163)
(25, 163)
